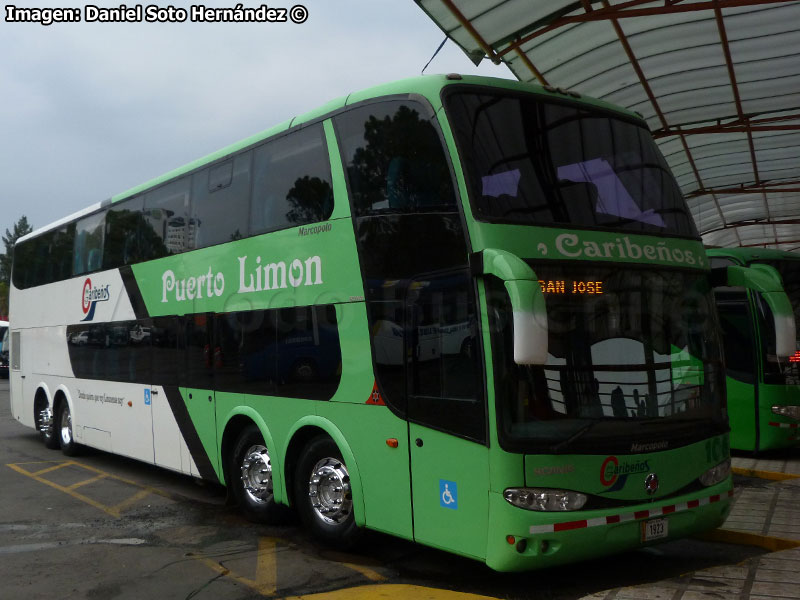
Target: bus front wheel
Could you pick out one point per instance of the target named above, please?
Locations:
(250, 477)
(323, 495)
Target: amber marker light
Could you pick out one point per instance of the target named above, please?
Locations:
(392, 443)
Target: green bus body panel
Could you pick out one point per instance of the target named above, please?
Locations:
(741, 413)
(772, 435)
(316, 264)
(450, 483)
(383, 471)
(552, 243)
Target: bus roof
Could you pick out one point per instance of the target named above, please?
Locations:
(747, 255)
(429, 86)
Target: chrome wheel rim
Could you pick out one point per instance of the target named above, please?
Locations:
(257, 474)
(329, 491)
(66, 427)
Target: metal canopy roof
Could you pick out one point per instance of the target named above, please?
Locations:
(718, 81)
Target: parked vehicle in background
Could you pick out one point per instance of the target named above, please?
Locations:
(763, 387)
(4, 352)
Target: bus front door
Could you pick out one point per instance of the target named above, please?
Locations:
(447, 418)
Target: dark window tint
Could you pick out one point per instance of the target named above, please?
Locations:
(161, 334)
(24, 258)
(292, 181)
(167, 227)
(445, 387)
(221, 202)
(122, 233)
(243, 348)
(109, 351)
(737, 333)
(534, 162)
(408, 226)
(88, 248)
(308, 357)
(394, 159)
(45, 258)
(197, 347)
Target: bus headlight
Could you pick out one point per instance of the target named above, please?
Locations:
(545, 499)
(793, 412)
(716, 474)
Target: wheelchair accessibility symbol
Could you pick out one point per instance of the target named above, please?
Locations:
(448, 494)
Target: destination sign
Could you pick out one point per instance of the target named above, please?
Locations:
(571, 286)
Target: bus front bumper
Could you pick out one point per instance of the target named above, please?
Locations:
(522, 540)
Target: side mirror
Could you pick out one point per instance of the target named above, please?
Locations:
(765, 280)
(527, 303)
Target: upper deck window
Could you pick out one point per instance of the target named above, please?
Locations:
(532, 162)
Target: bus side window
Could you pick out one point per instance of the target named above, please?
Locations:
(122, 233)
(445, 389)
(292, 181)
(166, 226)
(394, 159)
(221, 202)
(89, 240)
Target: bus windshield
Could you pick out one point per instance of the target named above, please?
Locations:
(538, 162)
(632, 354)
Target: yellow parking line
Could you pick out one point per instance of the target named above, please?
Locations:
(346, 561)
(728, 536)
(128, 502)
(771, 475)
(114, 511)
(75, 486)
(55, 467)
(266, 567)
(67, 491)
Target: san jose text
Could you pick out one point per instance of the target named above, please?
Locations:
(151, 13)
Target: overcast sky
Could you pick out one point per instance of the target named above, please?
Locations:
(89, 110)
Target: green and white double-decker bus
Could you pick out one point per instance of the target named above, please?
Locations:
(467, 312)
(763, 386)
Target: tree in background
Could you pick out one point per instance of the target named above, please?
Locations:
(21, 228)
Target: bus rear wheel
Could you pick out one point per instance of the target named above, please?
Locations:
(47, 430)
(323, 495)
(64, 430)
(250, 477)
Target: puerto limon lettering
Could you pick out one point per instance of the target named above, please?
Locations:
(255, 275)
(573, 246)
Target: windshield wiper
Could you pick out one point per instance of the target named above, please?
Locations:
(556, 448)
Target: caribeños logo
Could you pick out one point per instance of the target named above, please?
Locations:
(91, 296)
(613, 475)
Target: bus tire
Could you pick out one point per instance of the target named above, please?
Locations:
(323, 496)
(63, 430)
(45, 422)
(250, 477)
